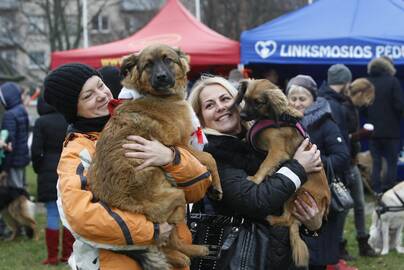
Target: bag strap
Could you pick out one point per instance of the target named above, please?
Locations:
(330, 171)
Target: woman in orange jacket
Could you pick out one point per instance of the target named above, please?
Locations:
(78, 92)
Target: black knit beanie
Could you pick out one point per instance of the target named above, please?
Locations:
(63, 86)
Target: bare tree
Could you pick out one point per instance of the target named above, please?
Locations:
(230, 18)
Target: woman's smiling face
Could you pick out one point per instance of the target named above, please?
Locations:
(215, 102)
(93, 99)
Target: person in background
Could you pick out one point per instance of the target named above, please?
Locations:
(385, 114)
(47, 143)
(15, 121)
(355, 182)
(324, 132)
(78, 92)
(111, 76)
(338, 79)
(212, 99)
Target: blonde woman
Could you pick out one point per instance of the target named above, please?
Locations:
(258, 245)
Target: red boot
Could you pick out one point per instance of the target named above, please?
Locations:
(67, 245)
(52, 245)
(341, 265)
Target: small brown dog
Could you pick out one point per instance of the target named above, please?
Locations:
(263, 100)
(159, 74)
(17, 209)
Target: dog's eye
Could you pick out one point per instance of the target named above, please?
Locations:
(148, 65)
(258, 103)
(167, 60)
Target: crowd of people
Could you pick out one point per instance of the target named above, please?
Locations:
(74, 110)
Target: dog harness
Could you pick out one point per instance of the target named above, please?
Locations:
(383, 208)
(260, 125)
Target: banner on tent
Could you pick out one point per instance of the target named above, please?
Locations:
(276, 51)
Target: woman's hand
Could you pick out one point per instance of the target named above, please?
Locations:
(309, 159)
(165, 231)
(308, 213)
(153, 153)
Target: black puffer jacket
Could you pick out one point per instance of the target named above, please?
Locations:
(325, 133)
(242, 197)
(47, 143)
(338, 110)
(388, 107)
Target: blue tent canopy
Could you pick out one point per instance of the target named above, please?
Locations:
(329, 31)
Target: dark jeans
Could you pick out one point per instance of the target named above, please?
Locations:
(355, 186)
(389, 149)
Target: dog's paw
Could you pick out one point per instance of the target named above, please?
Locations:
(215, 194)
(205, 251)
(384, 252)
(255, 179)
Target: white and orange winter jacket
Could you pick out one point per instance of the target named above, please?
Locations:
(98, 229)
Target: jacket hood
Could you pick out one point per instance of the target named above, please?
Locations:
(328, 93)
(319, 110)
(11, 95)
(381, 66)
(43, 107)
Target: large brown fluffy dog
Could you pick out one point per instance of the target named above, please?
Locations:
(263, 100)
(159, 73)
(17, 209)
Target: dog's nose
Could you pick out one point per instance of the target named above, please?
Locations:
(162, 76)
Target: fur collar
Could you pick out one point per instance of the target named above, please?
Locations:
(318, 111)
(381, 66)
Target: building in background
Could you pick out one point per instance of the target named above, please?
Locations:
(30, 30)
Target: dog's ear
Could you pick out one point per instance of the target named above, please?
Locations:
(242, 88)
(183, 59)
(276, 101)
(128, 62)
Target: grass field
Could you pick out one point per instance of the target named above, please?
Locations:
(23, 254)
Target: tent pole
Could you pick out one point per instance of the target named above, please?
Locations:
(198, 9)
(84, 23)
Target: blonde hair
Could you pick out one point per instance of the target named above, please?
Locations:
(194, 99)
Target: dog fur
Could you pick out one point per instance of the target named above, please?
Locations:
(263, 100)
(18, 210)
(365, 165)
(386, 231)
(159, 74)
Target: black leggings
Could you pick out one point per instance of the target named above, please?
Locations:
(317, 267)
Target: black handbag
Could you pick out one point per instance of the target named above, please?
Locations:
(341, 198)
(218, 232)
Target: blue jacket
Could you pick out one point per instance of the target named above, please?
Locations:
(15, 120)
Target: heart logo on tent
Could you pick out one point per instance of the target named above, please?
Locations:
(265, 48)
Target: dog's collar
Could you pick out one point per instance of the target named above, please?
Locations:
(268, 123)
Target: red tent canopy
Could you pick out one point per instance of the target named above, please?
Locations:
(174, 26)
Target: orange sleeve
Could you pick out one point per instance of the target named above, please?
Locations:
(190, 175)
(93, 220)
